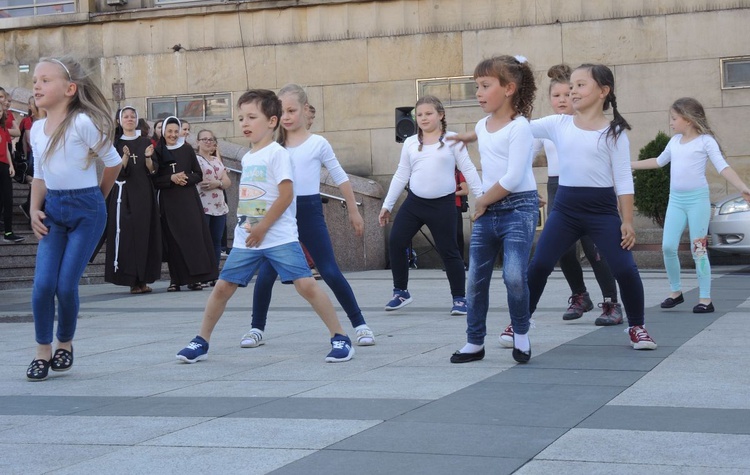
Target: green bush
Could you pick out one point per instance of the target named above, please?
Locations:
(652, 186)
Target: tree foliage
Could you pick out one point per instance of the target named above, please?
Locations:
(652, 186)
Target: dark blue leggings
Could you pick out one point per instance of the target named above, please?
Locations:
(313, 233)
(581, 211)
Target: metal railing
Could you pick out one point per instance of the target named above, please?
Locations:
(324, 195)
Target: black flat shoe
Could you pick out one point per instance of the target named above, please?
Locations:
(669, 302)
(38, 370)
(459, 357)
(62, 360)
(703, 308)
(521, 356)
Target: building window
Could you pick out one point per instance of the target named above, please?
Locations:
(195, 107)
(735, 72)
(20, 8)
(454, 91)
(173, 2)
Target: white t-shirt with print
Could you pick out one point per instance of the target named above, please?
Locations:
(262, 171)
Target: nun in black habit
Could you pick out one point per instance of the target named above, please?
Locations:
(188, 248)
(133, 234)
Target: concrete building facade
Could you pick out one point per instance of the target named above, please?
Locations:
(361, 59)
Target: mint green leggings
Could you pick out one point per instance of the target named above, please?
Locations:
(693, 209)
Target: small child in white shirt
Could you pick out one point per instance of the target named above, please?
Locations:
(266, 230)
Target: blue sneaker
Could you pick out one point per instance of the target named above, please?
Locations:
(401, 298)
(342, 349)
(459, 306)
(196, 350)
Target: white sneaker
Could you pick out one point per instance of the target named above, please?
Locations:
(506, 337)
(252, 339)
(365, 336)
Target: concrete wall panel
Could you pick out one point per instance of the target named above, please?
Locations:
(214, 71)
(345, 62)
(540, 44)
(623, 41)
(410, 57)
(352, 148)
(653, 87)
(707, 35)
(365, 106)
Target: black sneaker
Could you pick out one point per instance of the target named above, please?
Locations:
(10, 237)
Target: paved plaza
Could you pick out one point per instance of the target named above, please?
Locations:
(586, 403)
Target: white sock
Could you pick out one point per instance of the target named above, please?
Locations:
(521, 342)
(362, 327)
(471, 348)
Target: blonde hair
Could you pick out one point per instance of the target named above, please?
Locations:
(88, 99)
(434, 102)
(692, 111)
(301, 97)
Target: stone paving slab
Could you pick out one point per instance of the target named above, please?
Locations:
(377, 463)
(397, 407)
(670, 419)
(651, 450)
(182, 460)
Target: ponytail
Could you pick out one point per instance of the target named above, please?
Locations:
(603, 76)
(618, 123)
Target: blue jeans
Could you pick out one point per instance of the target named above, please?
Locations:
(216, 226)
(76, 221)
(509, 225)
(313, 233)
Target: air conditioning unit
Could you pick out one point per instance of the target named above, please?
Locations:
(116, 3)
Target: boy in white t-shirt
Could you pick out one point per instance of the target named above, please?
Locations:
(266, 229)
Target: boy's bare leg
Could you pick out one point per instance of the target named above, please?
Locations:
(217, 303)
(309, 289)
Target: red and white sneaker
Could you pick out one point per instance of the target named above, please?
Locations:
(506, 337)
(640, 339)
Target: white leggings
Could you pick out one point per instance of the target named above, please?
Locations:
(691, 208)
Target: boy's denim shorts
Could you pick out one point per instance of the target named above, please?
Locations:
(288, 260)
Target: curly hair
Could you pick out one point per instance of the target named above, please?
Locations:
(508, 69)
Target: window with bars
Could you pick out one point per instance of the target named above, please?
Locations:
(195, 107)
(23, 8)
(452, 91)
(735, 72)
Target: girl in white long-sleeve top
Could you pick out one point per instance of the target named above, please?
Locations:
(595, 177)
(428, 165)
(692, 146)
(68, 213)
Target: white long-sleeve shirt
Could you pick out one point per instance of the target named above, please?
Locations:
(506, 155)
(688, 171)
(586, 157)
(68, 167)
(430, 173)
(550, 151)
(307, 159)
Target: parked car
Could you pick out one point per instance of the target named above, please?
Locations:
(729, 228)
